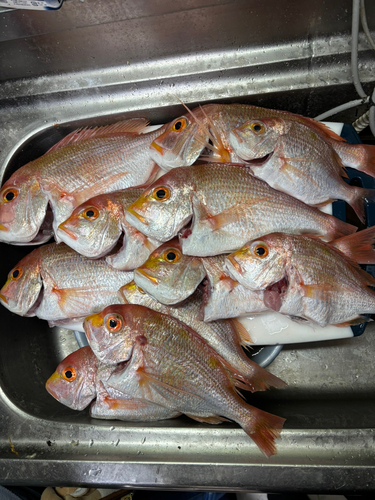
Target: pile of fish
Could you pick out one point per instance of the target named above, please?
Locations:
(156, 267)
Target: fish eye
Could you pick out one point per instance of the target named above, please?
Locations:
(161, 193)
(90, 213)
(69, 374)
(259, 249)
(257, 127)
(179, 125)
(16, 273)
(172, 255)
(113, 322)
(10, 195)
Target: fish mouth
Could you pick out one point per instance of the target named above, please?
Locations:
(146, 275)
(158, 148)
(258, 162)
(3, 298)
(138, 216)
(67, 231)
(235, 264)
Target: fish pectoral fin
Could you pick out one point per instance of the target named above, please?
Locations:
(73, 301)
(317, 292)
(213, 420)
(245, 338)
(229, 216)
(355, 321)
(228, 282)
(101, 186)
(131, 126)
(290, 170)
(116, 404)
(165, 390)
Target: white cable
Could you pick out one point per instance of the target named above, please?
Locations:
(342, 107)
(354, 57)
(372, 115)
(362, 122)
(365, 25)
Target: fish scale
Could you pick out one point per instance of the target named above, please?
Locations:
(228, 206)
(238, 184)
(221, 335)
(171, 365)
(305, 277)
(93, 162)
(73, 286)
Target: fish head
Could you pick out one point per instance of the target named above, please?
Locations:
(94, 227)
(23, 208)
(73, 383)
(259, 263)
(256, 138)
(110, 334)
(23, 288)
(181, 144)
(165, 207)
(168, 275)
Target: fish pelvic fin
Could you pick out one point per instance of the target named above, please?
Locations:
(355, 321)
(263, 428)
(213, 420)
(133, 125)
(244, 335)
(358, 247)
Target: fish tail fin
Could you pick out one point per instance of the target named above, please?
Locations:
(359, 197)
(339, 228)
(368, 165)
(358, 247)
(358, 156)
(263, 428)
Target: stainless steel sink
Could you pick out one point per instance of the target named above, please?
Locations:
(94, 63)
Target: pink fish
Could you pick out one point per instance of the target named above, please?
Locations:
(84, 164)
(171, 365)
(80, 380)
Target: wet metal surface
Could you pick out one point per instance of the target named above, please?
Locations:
(89, 64)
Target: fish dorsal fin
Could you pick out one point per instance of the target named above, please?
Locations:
(323, 129)
(131, 126)
(358, 246)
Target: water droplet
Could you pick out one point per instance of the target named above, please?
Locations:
(94, 472)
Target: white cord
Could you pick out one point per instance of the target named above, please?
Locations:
(365, 25)
(342, 107)
(354, 58)
(372, 115)
(358, 8)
